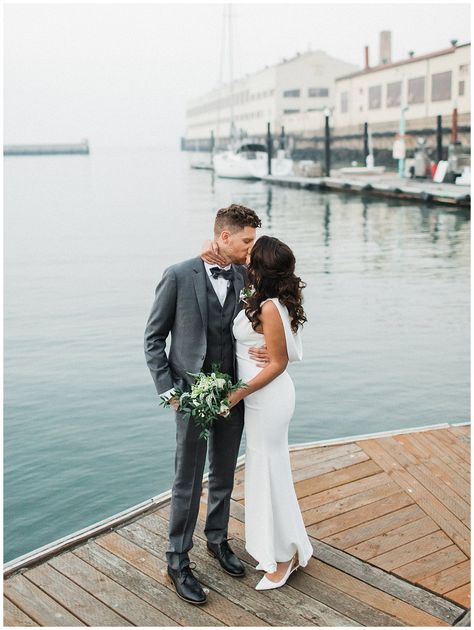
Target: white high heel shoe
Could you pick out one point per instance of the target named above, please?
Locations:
(265, 584)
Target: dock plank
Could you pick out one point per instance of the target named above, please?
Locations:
(334, 463)
(90, 610)
(457, 465)
(455, 529)
(372, 528)
(13, 616)
(148, 587)
(126, 545)
(387, 582)
(449, 579)
(440, 469)
(406, 613)
(360, 515)
(131, 607)
(461, 595)
(333, 479)
(37, 604)
(274, 606)
(431, 563)
(394, 538)
(452, 443)
(419, 602)
(350, 503)
(346, 490)
(411, 551)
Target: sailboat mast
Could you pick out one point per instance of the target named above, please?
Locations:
(231, 73)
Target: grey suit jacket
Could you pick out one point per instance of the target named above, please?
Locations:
(180, 308)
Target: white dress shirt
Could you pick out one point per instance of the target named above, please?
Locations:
(221, 286)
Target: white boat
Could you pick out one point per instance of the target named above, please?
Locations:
(250, 161)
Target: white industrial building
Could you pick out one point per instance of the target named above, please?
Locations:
(428, 85)
(293, 93)
(297, 94)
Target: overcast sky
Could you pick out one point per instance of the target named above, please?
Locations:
(120, 74)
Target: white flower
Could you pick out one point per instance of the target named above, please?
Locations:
(246, 292)
(224, 408)
(220, 383)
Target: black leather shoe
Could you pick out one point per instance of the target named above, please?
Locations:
(227, 558)
(186, 585)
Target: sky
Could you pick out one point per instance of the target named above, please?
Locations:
(121, 74)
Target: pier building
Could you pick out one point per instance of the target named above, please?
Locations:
(427, 85)
(298, 93)
(294, 93)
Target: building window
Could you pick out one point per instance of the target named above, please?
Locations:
(375, 97)
(394, 94)
(318, 92)
(464, 68)
(291, 111)
(416, 90)
(291, 93)
(461, 88)
(344, 102)
(441, 86)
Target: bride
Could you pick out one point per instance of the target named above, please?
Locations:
(274, 529)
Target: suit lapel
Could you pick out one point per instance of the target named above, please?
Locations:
(199, 281)
(238, 286)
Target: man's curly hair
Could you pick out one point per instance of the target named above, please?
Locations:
(235, 218)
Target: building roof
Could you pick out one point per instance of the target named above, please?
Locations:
(402, 62)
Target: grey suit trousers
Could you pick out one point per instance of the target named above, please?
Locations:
(224, 443)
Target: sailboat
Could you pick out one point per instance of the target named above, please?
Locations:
(245, 159)
(249, 160)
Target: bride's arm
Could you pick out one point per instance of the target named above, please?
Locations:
(276, 349)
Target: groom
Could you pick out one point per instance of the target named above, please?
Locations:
(197, 302)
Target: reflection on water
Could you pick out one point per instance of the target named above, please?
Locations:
(386, 344)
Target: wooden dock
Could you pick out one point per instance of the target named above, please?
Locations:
(388, 515)
(387, 185)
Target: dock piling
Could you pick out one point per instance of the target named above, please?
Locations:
(327, 147)
(439, 139)
(269, 149)
(366, 142)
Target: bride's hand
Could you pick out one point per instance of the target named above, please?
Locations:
(210, 254)
(234, 398)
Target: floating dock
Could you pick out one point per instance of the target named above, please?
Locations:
(387, 513)
(386, 185)
(47, 149)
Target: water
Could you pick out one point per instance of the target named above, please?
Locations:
(86, 240)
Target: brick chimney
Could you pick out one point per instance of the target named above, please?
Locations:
(366, 58)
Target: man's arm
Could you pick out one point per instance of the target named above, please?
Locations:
(157, 330)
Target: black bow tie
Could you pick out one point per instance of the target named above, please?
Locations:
(228, 274)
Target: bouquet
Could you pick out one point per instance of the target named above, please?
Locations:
(207, 399)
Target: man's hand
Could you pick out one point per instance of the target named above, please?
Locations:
(260, 355)
(210, 254)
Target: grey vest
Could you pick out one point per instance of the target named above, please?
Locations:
(220, 343)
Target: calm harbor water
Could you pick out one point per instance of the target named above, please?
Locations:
(86, 240)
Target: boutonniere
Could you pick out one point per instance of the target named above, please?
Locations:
(246, 293)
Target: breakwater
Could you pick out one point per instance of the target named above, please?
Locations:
(81, 148)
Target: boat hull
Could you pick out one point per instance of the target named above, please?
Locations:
(234, 166)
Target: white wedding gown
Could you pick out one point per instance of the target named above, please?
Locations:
(274, 528)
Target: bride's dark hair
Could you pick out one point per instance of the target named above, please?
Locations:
(271, 271)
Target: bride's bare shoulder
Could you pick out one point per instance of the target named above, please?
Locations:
(270, 310)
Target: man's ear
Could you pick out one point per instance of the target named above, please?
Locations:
(225, 236)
